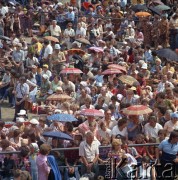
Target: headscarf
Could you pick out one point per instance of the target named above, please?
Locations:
(35, 146)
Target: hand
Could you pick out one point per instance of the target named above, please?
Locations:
(17, 103)
(176, 160)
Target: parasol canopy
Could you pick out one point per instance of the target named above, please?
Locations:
(71, 71)
(168, 54)
(76, 51)
(116, 66)
(96, 49)
(84, 41)
(137, 110)
(142, 14)
(162, 7)
(58, 97)
(111, 71)
(139, 7)
(58, 135)
(92, 112)
(127, 79)
(51, 38)
(62, 118)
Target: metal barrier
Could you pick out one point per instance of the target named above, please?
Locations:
(75, 148)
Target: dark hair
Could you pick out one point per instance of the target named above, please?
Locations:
(122, 122)
(162, 131)
(160, 95)
(16, 132)
(24, 151)
(174, 134)
(114, 98)
(69, 126)
(162, 109)
(175, 90)
(2, 123)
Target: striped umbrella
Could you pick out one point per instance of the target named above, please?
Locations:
(92, 112)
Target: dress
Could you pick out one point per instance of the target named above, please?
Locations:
(147, 27)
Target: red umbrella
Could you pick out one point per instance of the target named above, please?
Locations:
(111, 71)
(91, 112)
(137, 110)
(71, 71)
(116, 66)
(96, 49)
(87, 5)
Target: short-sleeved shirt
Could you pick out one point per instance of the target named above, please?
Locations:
(89, 152)
(55, 31)
(48, 51)
(169, 126)
(169, 148)
(22, 90)
(18, 56)
(115, 131)
(152, 131)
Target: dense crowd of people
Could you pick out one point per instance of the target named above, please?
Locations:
(90, 61)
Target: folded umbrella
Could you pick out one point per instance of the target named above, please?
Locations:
(57, 134)
(62, 118)
(168, 54)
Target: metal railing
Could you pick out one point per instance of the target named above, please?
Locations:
(76, 148)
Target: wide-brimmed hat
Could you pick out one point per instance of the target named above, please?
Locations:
(22, 112)
(34, 121)
(57, 46)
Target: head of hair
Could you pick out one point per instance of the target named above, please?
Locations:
(122, 122)
(174, 134)
(24, 151)
(45, 149)
(162, 131)
(16, 133)
(2, 123)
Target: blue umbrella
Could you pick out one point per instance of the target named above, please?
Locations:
(168, 54)
(62, 117)
(57, 134)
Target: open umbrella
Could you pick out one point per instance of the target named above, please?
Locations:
(84, 41)
(92, 112)
(157, 2)
(111, 71)
(51, 38)
(168, 54)
(5, 38)
(139, 7)
(154, 10)
(162, 7)
(76, 51)
(137, 110)
(127, 79)
(71, 71)
(96, 49)
(58, 97)
(87, 5)
(62, 118)
(58, 135)
(116, 66)
(142, 14)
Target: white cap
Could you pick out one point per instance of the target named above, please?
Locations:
(34, 121)
(13, 128)
(50, 91)
(129, 25)
(57, 111)
(22, 112)
(45, 76)
(144, 66)
(57, 46)
(20, 119)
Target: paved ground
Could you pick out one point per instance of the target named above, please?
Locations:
(7, 113)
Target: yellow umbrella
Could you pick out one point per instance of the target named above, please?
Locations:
(142, 14)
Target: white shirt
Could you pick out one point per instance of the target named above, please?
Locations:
(48, 51)
(152, 131)
(55, 31)
(169, 126)
(89, 152)
(115, 131)
(81, 32)
(161, 86)
(48, 73)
